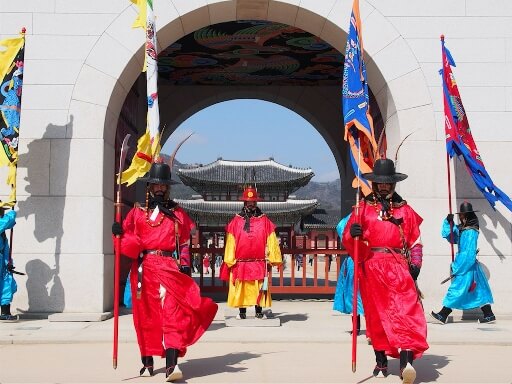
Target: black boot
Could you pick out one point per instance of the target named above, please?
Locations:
(488, 315)
(259, 312)
(5, 316)
(242, 313)
(147, 363)
(407, 371)
(381, 369)
(172, 371)
(442, 316)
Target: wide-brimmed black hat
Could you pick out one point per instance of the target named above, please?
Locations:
(466, 207)
(159, 173)
(384, 172)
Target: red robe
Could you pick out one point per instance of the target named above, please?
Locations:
(171, 312)
(393, 313)
(246, 255)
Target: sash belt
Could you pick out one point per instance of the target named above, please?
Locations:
(386, 250)
(158, 252)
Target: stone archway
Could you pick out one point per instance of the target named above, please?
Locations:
(114, 64)
(391, 65)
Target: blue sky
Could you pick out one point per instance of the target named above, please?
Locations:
(253, 130)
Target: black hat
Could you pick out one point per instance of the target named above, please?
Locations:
(466, 207)
(384, 172)
(159, 173)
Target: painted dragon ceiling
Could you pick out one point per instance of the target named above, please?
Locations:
(250, 53)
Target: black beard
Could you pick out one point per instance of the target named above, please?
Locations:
(156, 199)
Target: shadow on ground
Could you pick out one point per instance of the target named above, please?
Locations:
(291, 317)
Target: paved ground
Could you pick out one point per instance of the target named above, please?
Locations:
(311, 346)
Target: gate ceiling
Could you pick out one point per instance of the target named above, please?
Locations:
(250, 53)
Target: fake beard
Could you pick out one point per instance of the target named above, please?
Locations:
(156, 200)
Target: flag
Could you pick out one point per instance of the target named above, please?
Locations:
(148, 145)
(359, 130)
(459, 140)
(12, 53)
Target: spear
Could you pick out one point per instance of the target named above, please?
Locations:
(117, 249)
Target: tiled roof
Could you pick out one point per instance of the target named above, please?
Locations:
(320, 220)
(241, 172)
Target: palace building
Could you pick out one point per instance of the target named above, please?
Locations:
(220, 185)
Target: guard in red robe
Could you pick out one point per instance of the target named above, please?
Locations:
(251, 250)
(390, 261)
(168, 312)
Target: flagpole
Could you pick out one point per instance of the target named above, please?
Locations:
(450, 204)
(448, 171)
(355, 288)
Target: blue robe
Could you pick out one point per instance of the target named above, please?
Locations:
(345, 287)
(463, 293)
(7, 284)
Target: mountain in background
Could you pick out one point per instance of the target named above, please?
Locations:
(328, 193)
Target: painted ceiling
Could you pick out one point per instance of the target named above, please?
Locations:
(250, 53)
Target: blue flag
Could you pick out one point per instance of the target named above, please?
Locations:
(356, 107)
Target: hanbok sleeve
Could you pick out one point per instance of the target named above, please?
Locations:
(445, 232)
(274, 252)
(466, 256)
(229, 250)
(130, 242)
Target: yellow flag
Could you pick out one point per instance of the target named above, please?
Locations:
(12, 52)
(148, 146)
(140, 21)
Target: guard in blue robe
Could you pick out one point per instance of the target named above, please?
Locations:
(469, 287)
(345, 287)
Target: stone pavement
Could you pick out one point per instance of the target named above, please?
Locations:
(312, 345)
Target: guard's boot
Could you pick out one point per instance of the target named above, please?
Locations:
(5, 314)
(381, 369)
(172, 371)
(442, 315)
(242, 314)
(259, 312)
(147, 363)
(407, 371)
(488, 315)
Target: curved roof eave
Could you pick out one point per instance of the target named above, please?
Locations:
(229, 171)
